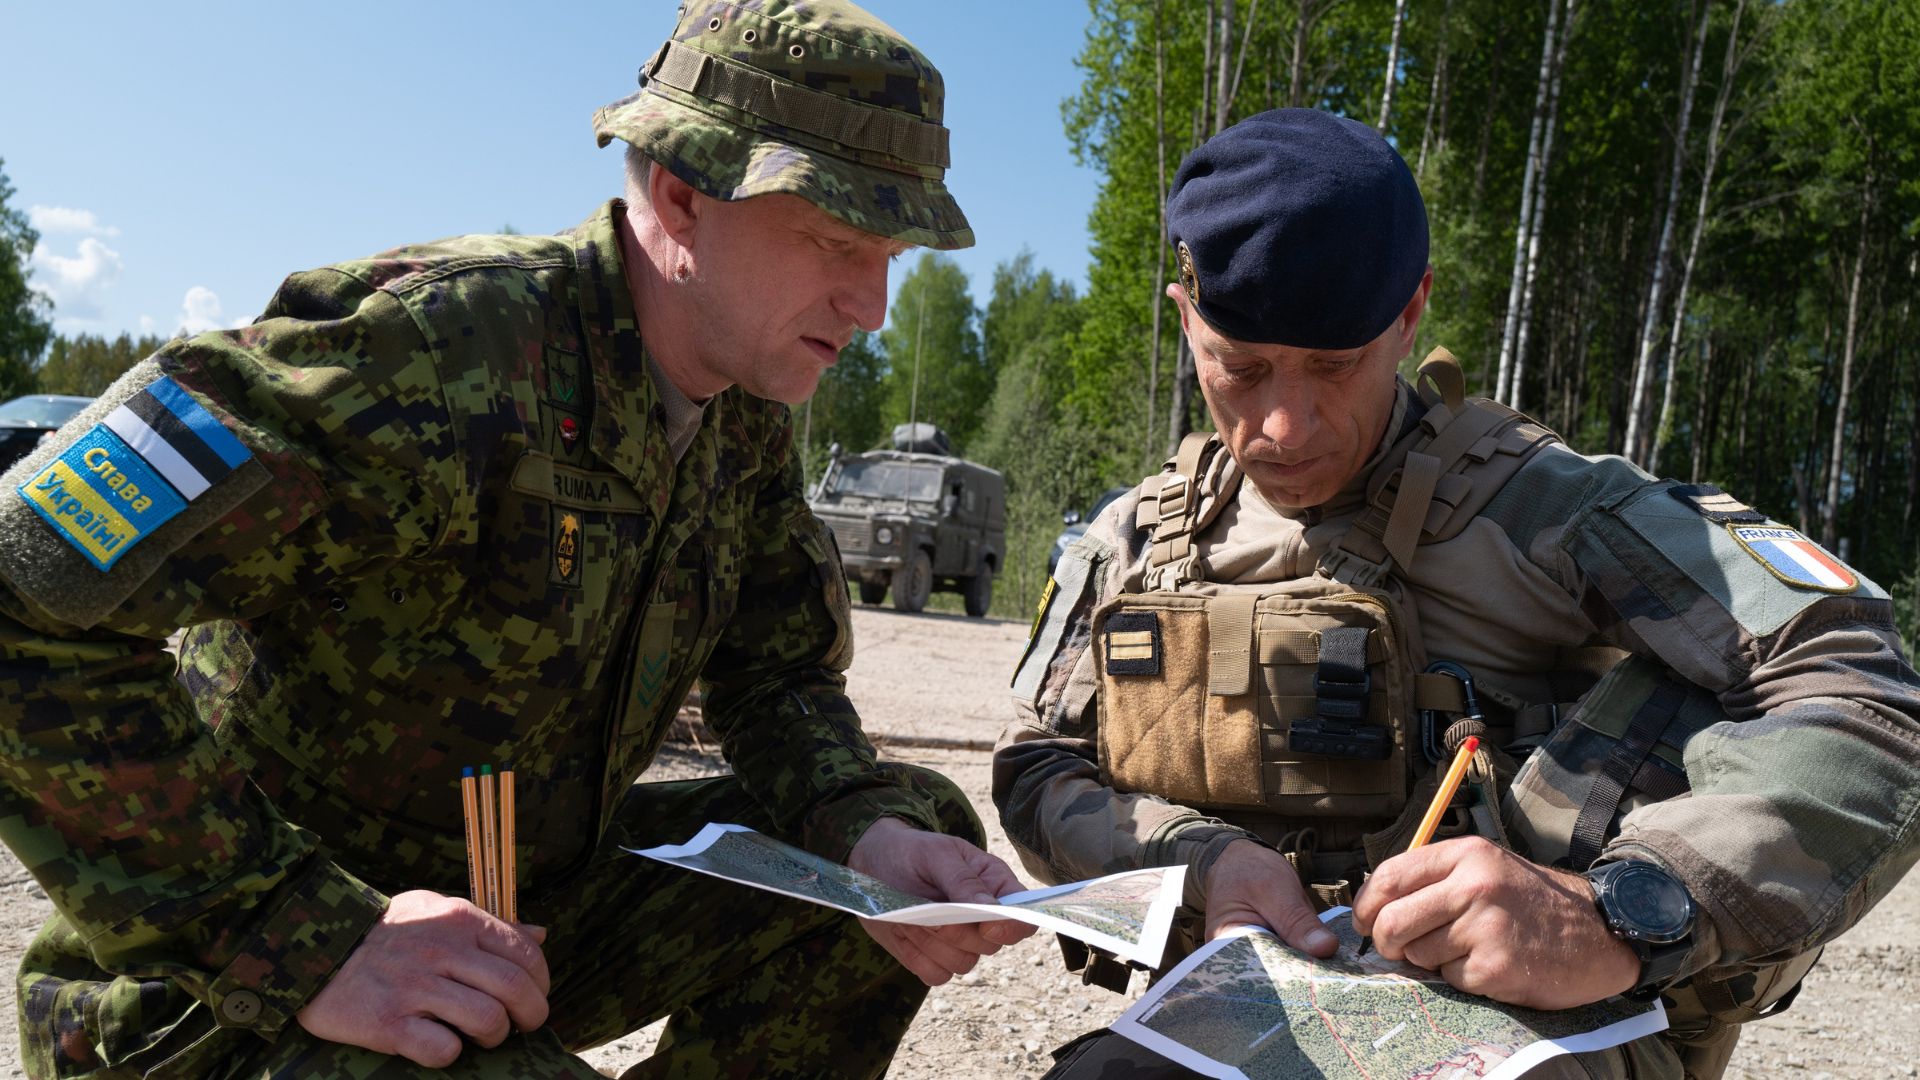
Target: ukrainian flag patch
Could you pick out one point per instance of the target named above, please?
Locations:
(133, 472)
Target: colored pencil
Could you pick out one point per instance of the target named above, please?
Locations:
(509, 886)
(489, 842)
(470, 804)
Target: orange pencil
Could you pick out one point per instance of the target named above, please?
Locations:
(470, 804)
(489, 843)
(1441, 798)
(509, 887)
(1445, 795)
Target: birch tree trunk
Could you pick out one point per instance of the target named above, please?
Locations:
(1393, 65)
(1830, 508)
(1297, 70)
(1305, 18)
(1158, 298)
(1225, 76)
(1505, 377)
(1643, 364)
(1436, 95)
(1728, 68)
(1538, 223)
(1703, 393)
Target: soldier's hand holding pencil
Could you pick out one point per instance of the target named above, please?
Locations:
(436, 968)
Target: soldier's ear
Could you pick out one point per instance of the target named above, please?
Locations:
(1179, 297)
(676, 205)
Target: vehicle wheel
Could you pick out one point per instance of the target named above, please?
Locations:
(913, 583)
(872, 592)
(978, 592)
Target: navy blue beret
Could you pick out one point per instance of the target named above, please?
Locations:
(1297, 227)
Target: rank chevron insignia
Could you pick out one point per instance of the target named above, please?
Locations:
(648, 677)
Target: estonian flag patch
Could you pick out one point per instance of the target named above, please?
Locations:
(133, 472)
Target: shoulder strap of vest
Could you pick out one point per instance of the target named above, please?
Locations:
(1455, 460)
(1176, 512)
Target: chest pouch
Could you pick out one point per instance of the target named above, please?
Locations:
(1295, 698)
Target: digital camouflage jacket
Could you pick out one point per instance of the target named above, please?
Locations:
(1803, 802)
(420, 515)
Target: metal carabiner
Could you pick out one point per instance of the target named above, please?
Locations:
(1431, 733)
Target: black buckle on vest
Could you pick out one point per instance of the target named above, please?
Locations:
(1341, 682)
(1339, 738)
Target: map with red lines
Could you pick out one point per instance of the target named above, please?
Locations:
(1250, 1007)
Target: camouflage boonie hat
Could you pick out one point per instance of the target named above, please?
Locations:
(815, 98)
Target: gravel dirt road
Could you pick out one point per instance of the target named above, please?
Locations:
(933, 678)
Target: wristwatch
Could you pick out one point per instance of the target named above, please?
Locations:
(1652, 912)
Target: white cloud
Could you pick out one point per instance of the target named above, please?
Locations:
(146, 325)
(67, 220)
(200, 311)
(77, 283)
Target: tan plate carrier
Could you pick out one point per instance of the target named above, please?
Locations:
(1204, 687)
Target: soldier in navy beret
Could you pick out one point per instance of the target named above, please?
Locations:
(1683, 783)
(1301, 239)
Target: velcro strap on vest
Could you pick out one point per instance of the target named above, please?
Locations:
(1402, 538)
(1341, 684)
(788, 104)
(1172, 558)
(1230, 645)
(1620, 769)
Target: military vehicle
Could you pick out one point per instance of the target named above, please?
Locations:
(915, 519)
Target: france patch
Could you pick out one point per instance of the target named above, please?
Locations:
(1795, 559)
(133, 472)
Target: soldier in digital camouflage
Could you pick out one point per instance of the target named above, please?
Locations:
(1700, 753)
(497, 499)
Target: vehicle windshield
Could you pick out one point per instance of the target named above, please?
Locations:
(887, 480)
(42, 410)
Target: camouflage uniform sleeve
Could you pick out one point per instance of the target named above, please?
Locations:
(147, 838)
(776, 681)
(1803, 807)
(1066, 823)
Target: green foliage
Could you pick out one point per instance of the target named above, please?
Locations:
(25, 326)
(1906, 608)
(1041, 444)
(1815, 169)
(936, 372)
(845, 409)
(86, 364)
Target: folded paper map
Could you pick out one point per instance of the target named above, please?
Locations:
(1127, 914)
(1247, 1007)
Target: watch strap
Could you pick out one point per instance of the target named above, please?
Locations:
(1659, 968)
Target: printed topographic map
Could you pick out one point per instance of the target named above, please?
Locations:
(1249, 1007)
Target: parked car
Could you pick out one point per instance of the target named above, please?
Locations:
(24, 421)
(915, 519)
(1077, 525)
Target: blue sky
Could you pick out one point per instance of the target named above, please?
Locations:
(179, 160)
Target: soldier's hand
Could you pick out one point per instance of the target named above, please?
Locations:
(936, 867)
(1253, 885)
(432, 969)
(1492, 923)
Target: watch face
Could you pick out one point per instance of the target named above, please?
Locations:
(1652, 906)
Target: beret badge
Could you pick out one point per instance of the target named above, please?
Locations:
(1188, 278)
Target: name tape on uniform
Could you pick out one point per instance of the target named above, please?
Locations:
(133, 472)
(1795, 559)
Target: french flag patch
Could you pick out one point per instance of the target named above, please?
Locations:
(1795, 559)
